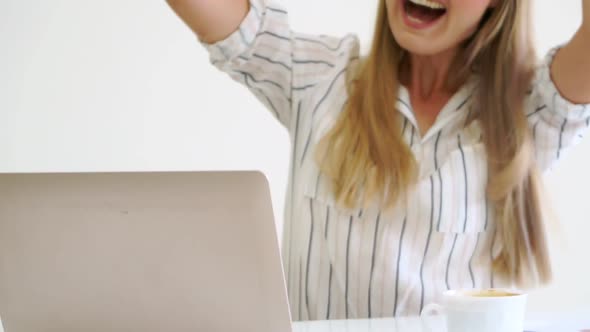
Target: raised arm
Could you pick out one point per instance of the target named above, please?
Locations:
(252, 41)
(211, 20)
(571, 67)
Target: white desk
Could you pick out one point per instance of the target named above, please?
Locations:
(541, 322)
(571, 322)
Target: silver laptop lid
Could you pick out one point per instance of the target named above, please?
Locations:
(171, 251)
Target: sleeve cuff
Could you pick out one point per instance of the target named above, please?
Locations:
(241, 40)
(550, 95)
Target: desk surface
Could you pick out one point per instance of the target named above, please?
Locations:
(540, 322)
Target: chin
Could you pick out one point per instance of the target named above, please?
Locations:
(417, 46)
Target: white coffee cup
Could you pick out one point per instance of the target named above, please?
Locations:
(483, 310)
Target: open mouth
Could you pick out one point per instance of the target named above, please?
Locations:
(423, 12)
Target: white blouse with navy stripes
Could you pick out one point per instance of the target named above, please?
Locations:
(343, 263)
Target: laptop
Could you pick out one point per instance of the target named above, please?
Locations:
(152, 251)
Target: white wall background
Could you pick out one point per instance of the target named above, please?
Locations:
(123, 86)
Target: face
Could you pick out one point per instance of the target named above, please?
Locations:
(431, 27)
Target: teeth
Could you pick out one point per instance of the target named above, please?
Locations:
(428, 3)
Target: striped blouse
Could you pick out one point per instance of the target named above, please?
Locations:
(341, 263)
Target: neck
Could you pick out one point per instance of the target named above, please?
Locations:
(429, 74)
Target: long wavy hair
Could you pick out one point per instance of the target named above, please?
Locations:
(365, 157)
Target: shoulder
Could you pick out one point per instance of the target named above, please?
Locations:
(320, 59)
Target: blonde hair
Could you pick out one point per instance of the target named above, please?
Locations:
(365, 157)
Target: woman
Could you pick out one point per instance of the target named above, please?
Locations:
(414, 169)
